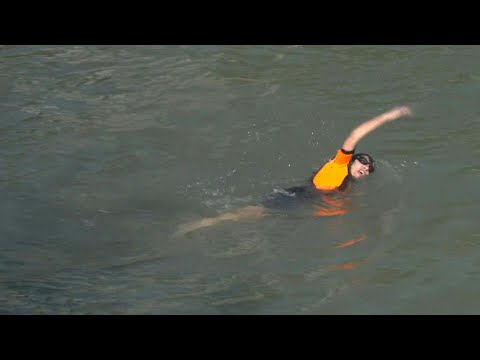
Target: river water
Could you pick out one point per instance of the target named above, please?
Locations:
(107, 150)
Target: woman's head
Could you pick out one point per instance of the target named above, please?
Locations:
(361, 165)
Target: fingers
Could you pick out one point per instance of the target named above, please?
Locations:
(401, 111)
(397, 112)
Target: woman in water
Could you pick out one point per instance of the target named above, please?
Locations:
(335, 176)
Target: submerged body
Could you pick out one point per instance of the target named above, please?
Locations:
(321, 203)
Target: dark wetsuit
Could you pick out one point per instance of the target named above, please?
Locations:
(321, 203)
(291, 197)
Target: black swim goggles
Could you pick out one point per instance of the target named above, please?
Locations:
(363, 160)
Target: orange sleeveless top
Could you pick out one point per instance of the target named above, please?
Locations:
(332, 174)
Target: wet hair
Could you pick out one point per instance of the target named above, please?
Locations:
(363, 156)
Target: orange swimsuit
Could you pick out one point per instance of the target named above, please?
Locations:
(334, 172)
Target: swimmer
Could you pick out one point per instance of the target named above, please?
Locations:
(335, 176)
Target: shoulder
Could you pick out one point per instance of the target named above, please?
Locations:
(343, 157)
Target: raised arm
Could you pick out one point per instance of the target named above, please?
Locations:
(368, 126)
